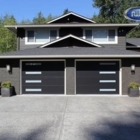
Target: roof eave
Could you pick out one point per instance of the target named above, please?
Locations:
(69, 56)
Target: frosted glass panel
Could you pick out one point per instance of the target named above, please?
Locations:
(107, 72)
(107, 81)
(33, 72)
(33, 81)
(35, 90)
(107, 90)
(100, 35)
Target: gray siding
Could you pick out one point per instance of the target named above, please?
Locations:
(127, 76)
(70, 77)
(63, 32)
(14, 76)
(24, 46)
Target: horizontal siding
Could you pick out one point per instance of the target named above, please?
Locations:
(24, 46)
(121, 42)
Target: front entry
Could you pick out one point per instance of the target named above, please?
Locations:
(97, 77)
(43, 77)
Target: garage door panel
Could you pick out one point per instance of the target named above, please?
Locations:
(43, 77)
(43, 89)
(97, 77)
(43, 81)
(42, 73)
(97, 90)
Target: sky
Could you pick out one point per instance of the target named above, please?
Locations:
(27, 9)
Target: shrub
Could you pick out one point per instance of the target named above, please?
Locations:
(134, 85)
(6, 84)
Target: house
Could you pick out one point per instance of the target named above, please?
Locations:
(72, 55)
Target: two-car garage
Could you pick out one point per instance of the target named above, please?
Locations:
(91, 77)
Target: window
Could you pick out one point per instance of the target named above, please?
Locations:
(101, 35)
(88, 34)
(30, 36)
(111, 35)
(40, 36)
(53, 35)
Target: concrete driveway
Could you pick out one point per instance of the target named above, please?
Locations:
(69, 118)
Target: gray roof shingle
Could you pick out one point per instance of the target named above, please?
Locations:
(71, 52)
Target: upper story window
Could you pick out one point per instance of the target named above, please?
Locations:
(40, 36)
(101, 36)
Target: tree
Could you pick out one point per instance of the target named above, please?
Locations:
(112, 11)
(66, 11)
(39, 19)
(7, 38)
(25, 21)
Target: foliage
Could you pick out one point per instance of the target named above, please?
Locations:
(7, 38)
(39, 19)
(6, 84)
(112, 11)
(66, 11)
(134, 85)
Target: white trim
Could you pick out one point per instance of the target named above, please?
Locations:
(68, 36)
(39, 43)
(73, 25)
(108, 42)
(120, 74)
(68, 56)
(71, 13)
(43, 60)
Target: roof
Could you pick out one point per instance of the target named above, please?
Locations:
(71, 13)
(72, 52)
(135, 42)
(70, 36)
(14, 27)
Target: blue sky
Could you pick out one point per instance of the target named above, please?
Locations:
(27, 9)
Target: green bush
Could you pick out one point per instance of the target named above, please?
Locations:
(134, 85)
(6, 84)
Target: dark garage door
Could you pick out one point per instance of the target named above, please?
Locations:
(97, 77)
(43, 77)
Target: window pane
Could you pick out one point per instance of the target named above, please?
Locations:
(42, 35)
(88, 35)
(30, 36)
(53, 34)
(100, 35)
(111, 34)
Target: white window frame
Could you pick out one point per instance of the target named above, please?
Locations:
(33, 43)
(108, 42)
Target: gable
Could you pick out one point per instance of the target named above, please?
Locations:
(71, 18)
(70, 41)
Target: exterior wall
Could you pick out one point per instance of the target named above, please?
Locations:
(71, 19)
(127, 75)
(121, 39)
(70, 77)
(13, 76)
(75, 31)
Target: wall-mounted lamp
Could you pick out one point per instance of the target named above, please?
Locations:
(133, 69)
(8, 68)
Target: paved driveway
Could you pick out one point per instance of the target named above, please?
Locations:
(69, 118)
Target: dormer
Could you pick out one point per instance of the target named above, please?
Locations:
(71, 17)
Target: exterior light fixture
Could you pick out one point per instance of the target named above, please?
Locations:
(8, 68)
